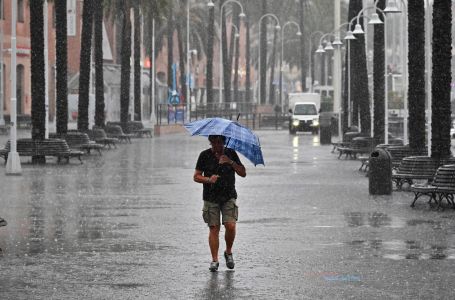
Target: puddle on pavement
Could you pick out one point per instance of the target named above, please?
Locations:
(403, 249)
(266, 221)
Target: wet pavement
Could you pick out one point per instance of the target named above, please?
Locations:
(128, 225)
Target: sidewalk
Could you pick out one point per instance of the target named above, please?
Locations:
(128, 225)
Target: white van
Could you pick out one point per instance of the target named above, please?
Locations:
(304, 112)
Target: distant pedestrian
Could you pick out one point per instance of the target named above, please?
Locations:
(215, 169)
(2, 222)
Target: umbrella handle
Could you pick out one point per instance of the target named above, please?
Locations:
(238, 116)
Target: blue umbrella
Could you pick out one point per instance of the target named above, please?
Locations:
(240, 138)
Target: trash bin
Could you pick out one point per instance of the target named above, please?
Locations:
(325, 132)
(380, 172)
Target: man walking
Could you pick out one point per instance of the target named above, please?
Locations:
(215, 169)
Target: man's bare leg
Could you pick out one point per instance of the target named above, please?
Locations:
(229, 235)
(214, 242)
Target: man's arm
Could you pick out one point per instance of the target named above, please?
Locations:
(198, 177)
(238, 168)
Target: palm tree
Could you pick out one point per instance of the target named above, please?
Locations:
(98, 53)
(359, 79)
(378, 79)
(37, 74)
(61, 50)
(416, 63)
(247, 60)
(236, 58)
(441, 79)
(137, 61)
(272, 68)
(302, 44)
(225, 66)
(263, 62)
(352, 10)
(170, 43)
(85, 64)
(125, 64)
(210, 37)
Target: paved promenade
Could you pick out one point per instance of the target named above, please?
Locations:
(128, 225)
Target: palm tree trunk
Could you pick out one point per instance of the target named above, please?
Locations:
(302, 45)
(99, 78)
(263, 59)
(209, 71)
(170, 46)
(125, 65)
(236, 51)
(378, 79)
(182, 60)
(137, 63)
(272, 69)
(37, 74)
(416, 63)
(359, 79)
(441, 79)
(225, 60)
(85, 64)
(61, 50)
(247, 62)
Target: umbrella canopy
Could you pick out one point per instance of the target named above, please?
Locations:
(239, 137)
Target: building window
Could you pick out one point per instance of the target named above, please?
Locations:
(20, 11)
(54, 18)
(19, 88)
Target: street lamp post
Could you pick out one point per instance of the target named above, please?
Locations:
(277, 27)
(299, 33)
(13, 164)
(310, 56)
(241, 15)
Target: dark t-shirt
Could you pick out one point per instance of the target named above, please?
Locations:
(224, 188)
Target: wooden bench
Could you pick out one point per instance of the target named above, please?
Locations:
(346, 140)
(115, 131)
(50, 147)
(417, 168)
(359, 145)
(80, 141)
(442, 187)
(137, 129)
(397, 153)
(100, 137)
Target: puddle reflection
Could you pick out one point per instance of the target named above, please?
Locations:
(220, 285)
(403, 249)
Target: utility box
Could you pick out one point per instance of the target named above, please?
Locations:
(380, 172)
(325, 128)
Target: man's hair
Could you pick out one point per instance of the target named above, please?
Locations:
(215, 137)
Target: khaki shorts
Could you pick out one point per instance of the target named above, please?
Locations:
(211, 212)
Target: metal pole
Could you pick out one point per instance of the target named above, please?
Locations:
(386, 96)
(13, 165)
(281, 63)
(46, 71)
(349, 84)
(404, 56)
(428, 66)
(2, 94)
(152, 61)
(337, 71)
(221, 55)
(188, 98)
